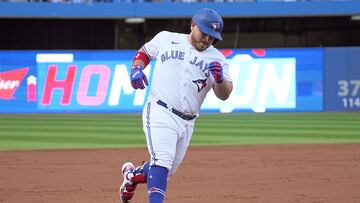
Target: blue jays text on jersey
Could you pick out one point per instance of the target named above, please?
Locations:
(180, 55)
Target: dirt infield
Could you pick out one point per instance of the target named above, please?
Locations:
(268, 173)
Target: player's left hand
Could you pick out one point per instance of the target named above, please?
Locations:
(138, 78)
(216, 71)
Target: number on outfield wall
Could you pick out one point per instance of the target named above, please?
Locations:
(351, 102)
(346, 87)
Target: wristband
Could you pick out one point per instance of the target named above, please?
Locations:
(142, 57)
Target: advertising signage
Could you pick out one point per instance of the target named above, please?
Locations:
(98, 81)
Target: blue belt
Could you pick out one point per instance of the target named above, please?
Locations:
(182, 115)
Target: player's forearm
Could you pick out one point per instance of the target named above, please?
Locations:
(223, 90)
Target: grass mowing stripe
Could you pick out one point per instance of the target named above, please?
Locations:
(89, 128)
(72, 120)
(67, 117)
(249, 140)
(283, 122)
(25, 145)
(282, 126)
(72, 139)
(276, 121)
(68, 136)
(74, 123)
(288, 133)
(292, 117)
(270, 135)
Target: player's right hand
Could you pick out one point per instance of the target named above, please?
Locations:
(138, 78)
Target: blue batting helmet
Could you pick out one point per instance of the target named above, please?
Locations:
(209, 22)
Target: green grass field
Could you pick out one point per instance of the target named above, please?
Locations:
(64, 131)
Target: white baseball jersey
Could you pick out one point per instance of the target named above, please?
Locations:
(181, 77)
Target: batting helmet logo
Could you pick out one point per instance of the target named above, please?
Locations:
(216, 26)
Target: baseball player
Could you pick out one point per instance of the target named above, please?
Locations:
(187, 67)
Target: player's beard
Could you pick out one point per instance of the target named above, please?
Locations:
(198, 44)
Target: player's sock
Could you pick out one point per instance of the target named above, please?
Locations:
(156, 183)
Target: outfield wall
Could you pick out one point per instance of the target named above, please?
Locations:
(297, 79)
(342, 79)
